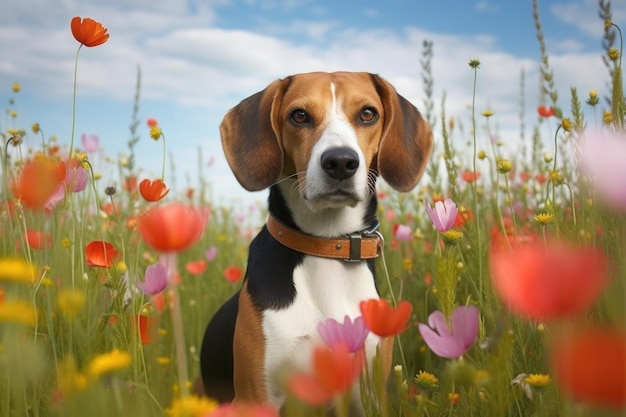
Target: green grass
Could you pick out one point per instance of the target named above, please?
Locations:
(83, 312)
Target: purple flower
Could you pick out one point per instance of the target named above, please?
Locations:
(350, 334)
(453, 341)
(91, 143)
(443, 215)
(602, 158)
(155, 279)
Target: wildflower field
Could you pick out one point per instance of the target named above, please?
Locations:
(503, 275)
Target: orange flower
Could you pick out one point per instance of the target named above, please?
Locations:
(233, 274)
(334, 372)
(172, 227)
(382, 319)
(545, 111)
(38, 240)
(89, 32)
(153, 190)
(541, 283)
(152, 122)
(38, 180)
(591, 366)
(101, 254)
(196, 267)
(470, 176)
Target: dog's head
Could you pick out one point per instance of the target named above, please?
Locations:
(332, 132)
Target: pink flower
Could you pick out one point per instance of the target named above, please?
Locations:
(443, 215)
(90, 143)
(210, 253)
(451, 341)
(155, 279)
(602, 158)
(76, 179)
(402, 232)
(349, 334)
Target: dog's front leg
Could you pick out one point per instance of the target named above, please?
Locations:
(249, 377)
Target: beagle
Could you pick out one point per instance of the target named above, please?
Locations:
(319, 142)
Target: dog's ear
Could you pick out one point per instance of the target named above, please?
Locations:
(406, 142)
(249, 138)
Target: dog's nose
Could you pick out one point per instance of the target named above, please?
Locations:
(340, 163)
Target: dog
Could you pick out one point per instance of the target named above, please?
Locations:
(318, 141)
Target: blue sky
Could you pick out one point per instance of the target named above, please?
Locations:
(199, 58)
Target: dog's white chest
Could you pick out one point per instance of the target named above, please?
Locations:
(325, 289)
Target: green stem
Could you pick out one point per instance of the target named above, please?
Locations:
(74, 102)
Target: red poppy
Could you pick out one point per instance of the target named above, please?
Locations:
(541, 178)
(38, 240)
(334, 372)
(172, 227)
(38, 180)
(152, 122)
(146, 325)
(382, 319)
(590, 365)
(463, 215)
(101, 254)
(153, 190)
(233, 274)
(130, 183)
(545, 111)
(196, 267)
(89, 32)
(542, 283)
(470, 176)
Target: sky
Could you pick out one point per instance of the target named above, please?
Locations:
(198, 58)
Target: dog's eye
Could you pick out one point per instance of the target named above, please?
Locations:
(299, 116)
(368, 115)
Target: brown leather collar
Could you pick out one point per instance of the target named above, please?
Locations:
(353, 248)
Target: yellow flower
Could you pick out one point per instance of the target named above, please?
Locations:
(18, 312)
(566, 124)
(155, 132)
(13, 114)
(593, 98)
(121, 267)
(36, 128)
(109, 362)
(452, 235)
(613, 54)
(407, 264)
(66, 243)
(547, 157)
(481, 155)
(607, 24)
(70, 380)
(557, 178)
(487, 113)
(426, 381)
(70, 301)
(16, 88)
(607, 117)
(163, 360)
(538, 380)
(16, 270)
(191, 406)
(504, 165)
(544, 218)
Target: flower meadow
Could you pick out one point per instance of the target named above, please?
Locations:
(502, 277)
